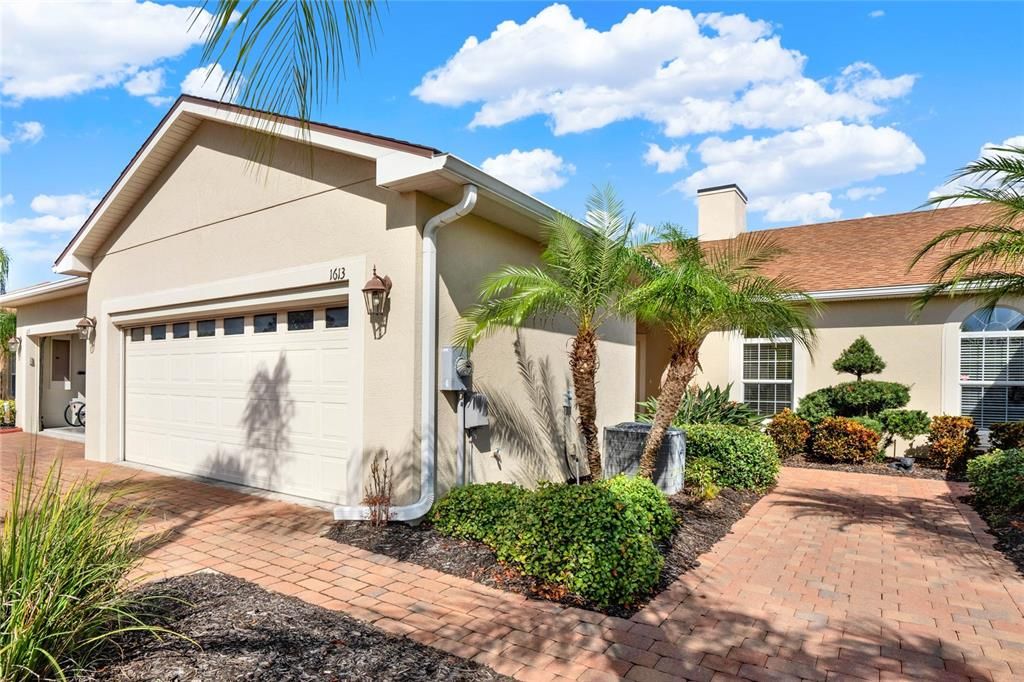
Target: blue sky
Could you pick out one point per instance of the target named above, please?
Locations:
(821, 111)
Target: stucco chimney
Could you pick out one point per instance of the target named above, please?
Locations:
(721, 212)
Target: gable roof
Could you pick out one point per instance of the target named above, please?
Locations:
(866, 253)
(401, 165)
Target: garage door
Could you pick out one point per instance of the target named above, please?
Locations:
(261, 399)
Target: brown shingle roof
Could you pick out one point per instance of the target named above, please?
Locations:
(866, 252)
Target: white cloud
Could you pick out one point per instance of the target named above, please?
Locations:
(688, 73)
(666, 160)
(955, 186)
(877, 13)
(7, 199)
(158, 102)
(858, 193)
(801, 208)
(5, 145)
(29, 131)
(537, 170)
(209, 81)
(63, 205)
(143, 83)
(55, 51)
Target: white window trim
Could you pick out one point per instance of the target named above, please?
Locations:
(801, 360)
(960, 382)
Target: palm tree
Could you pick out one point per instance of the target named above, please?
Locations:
(584, 272)
(692, 291)
(987, 258)
(5, 269)
(8, 328)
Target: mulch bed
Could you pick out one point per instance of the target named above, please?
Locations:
(1008, 529)
(702, 524)
(920, 470)
(244, 632)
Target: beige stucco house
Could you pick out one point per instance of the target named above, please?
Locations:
(955, 361)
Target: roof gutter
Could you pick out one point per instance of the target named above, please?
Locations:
(428, 365)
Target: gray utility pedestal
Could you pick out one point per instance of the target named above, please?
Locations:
(623, 444)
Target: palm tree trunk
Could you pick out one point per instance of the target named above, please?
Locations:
(681, 368)
(583, 363)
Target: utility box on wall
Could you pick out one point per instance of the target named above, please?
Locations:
(624, 443)
(456, 369)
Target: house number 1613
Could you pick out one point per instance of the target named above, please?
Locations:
(337, 274)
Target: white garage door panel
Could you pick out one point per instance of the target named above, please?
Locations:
(266, 410)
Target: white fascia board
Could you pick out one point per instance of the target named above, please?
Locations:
(46, 291)
(900, 291)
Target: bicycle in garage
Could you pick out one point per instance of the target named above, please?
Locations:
(74, 413)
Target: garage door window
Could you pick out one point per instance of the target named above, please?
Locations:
(234, 326)
(206, 327)
(138, 333)
(265, 323)
(158, 332)
(337, 317)
(300, 320)
(180, 330)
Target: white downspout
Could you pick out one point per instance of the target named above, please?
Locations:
(428, 368)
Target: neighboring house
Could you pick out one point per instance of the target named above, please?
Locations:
(231, 336)
(955, 360)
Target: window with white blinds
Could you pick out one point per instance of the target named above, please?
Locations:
(992, 366)
(768, 375)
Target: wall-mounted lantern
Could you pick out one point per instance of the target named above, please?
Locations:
(86, 326)
(376, 292)
(13, 344)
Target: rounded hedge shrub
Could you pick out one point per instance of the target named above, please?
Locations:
(790, 433)
(648, 501)
(839, 439)
(588, 538)
(478, 511)
(997, 480)
(743, 459)
(815, 406)
(867, 398)
(1007, 435)
(951, 439)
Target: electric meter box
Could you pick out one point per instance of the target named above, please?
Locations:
(456, 369)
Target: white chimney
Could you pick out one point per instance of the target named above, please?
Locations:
(721, 212)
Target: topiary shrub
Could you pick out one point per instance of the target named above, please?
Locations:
(867, 398)
(859, 359)
(643, 496)
(700, 478)
(816, 405)
(790, 434)
(839, 439)
(951, 440)
(907, 424)
(587, 538)
(997, 480)
(1007, 435)
(708, 405)
(869, 423)
(743, 459)
(478, 511)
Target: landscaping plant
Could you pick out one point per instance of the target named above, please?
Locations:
(815, 406)
(740, 458)
(692, 291)
(584, 271)
(870, 423)
(843, 440)
(951, 440)
(700, 478)
(65, 590)
(708, 405)
(1007, 435)
(790, 433)
(479, 511)
(859, 359)
(378, 491)
(997, 481)
(907, 424)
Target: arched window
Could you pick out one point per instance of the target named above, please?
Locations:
(992, 366)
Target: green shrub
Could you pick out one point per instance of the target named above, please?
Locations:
(859, 359)
(478, 511)
(816, 405)
(907, 424)
(790, 434)
(1007, 435)
(708, 405)
(869, 423)
(997, 480)
(951, 440)
(586, 538)
(700, 478)
(648, 501)
(867, 398)
(65, 560)
(840, 439)
(743, 459)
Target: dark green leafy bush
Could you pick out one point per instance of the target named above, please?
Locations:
(700, 478)
(997, 480)
(867, 398)
(869, 423)
(951, 440)
(840, 439)
(815, 406)
(1007, 435)
(790, 434)
(859, 359)
(708, 405)
(644, 497)
(907, 424)
(478, 512)
(743, 459)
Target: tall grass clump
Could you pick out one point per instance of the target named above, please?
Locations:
(65, 559)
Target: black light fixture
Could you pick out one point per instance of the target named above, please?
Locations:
(85, 327)
(376, 293)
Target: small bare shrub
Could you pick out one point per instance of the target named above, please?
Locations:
(378, 491)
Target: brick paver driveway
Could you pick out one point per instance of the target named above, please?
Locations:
(832, 576)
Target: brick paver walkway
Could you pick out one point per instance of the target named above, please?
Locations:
(832, 576)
